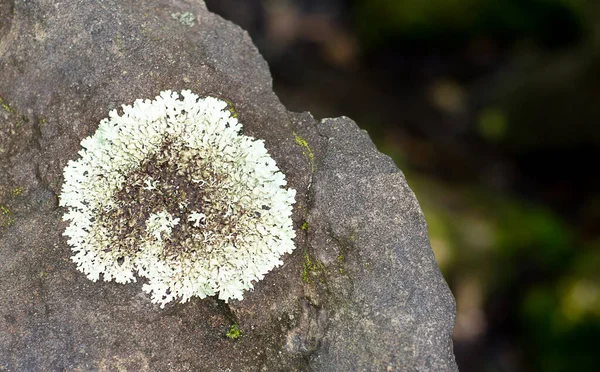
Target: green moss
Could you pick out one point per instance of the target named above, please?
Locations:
(232, 110)
(234, 332)
(5, 106)
(340, 261)
(6, 218)
(6, 215)
(312, 269)
(230, 107)
(304, 226)
(306, 151)
(305, 268)
(16, 191)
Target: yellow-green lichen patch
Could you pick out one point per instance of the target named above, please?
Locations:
(234, 332)
(304, 226)
(306, 151)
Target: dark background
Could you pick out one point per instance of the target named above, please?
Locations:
(491, 109)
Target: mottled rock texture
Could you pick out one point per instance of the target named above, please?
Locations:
(361, 292)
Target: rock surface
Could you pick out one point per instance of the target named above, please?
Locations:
(361, 291)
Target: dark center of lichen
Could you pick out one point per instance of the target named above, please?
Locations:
(177, 181)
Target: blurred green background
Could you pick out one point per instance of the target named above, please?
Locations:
(492, 110)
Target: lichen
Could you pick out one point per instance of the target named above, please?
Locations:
(185, 18)
(172, 191)
(304, 226)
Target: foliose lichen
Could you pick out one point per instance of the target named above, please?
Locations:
(172, 191)
(186, 18)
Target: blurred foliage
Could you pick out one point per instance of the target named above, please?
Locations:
(492, 124)
(526, 256)
(551, 21)
(541, 94)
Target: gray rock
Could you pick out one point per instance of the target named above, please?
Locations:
(361, 291)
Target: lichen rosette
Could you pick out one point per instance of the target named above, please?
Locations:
(172, 191)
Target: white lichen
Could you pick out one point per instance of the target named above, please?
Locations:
(186, 18)
(160, 223)
(172, 191)
(196, 218)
